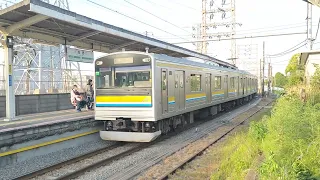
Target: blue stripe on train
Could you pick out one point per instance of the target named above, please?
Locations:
(171, 102)
(197, 98)
(123, 105)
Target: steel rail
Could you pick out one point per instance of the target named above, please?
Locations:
(109, 160)
(68, 162)
(183, 163)
(133, 172)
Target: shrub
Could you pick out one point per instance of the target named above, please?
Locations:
(289, 140)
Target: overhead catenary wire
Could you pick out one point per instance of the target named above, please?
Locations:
(246, 37)
(97, 4)
(315, 38)
(156, 16)
(288, 50)
(257, 32)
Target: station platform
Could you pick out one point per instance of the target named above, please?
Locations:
(44, 119)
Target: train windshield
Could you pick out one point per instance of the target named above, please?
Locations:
(123, 71)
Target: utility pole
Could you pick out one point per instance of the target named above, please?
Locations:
(248, 58)
(204, 44)
(211, 20)
(309, 25)
(233, 32)
(263, 60)
(269, 78)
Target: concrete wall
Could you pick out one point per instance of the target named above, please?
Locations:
(37, 103)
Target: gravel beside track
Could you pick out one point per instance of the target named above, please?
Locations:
(88, 161)
(180, 158)
(31, 165)
(130, 166)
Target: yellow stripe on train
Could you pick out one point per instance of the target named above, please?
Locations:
(218, 92)
(123, 99)
(171, 98)
(195, 95)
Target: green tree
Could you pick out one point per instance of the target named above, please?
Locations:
(294, 71)
(280, 80)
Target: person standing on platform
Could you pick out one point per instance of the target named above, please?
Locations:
(89, 94)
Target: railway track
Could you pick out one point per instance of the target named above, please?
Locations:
(181, 164)
(70, 173)
(134, 171)
(68, 162)
(75, 173)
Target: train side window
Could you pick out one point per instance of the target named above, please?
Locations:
(232, 83)
(217, 81)
(195, 82)
(212, 83)
(176, 81)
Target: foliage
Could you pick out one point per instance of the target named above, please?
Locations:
(280, 80)
(289, 140)
(294, 71)
(237, 156)
(293, 65)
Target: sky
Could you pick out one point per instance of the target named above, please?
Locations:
(256, 16)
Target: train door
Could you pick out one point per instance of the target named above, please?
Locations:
(244, 85)
(164, 90)
(208, 88)
(179, 89)
(226, 89)
(238, 86)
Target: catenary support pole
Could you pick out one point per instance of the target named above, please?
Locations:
(10, 97)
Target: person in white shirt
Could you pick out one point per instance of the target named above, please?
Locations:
(76, 98)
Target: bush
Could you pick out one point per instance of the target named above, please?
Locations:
(290, 145)
(289, 140)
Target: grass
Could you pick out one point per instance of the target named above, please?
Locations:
(202, 167)
(288, 142)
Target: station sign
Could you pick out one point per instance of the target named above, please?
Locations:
(79, 55)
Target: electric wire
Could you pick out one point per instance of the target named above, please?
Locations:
(155, 16)
(100, 5)
(256, 32)
(317, 30)
(288, 50)
(246, 37)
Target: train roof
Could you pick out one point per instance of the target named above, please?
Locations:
(186, 61)
(183, 61)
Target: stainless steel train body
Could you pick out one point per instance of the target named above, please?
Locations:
(141, 95)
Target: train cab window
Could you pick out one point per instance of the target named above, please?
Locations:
(123, 71)
(217, 81)
(195, 82)
(232, 83)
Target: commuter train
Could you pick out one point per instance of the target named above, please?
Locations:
(140, 96)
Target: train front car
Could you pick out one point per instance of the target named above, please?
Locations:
(123, 95)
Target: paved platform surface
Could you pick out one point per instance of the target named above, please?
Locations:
(42, 119)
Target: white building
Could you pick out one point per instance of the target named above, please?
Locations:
(309, 59)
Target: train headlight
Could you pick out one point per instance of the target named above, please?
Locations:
(146, 60)
(147, 125)
(109, 123)
(99, 63)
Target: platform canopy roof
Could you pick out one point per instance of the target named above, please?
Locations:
(314, 2)
(53, 25)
